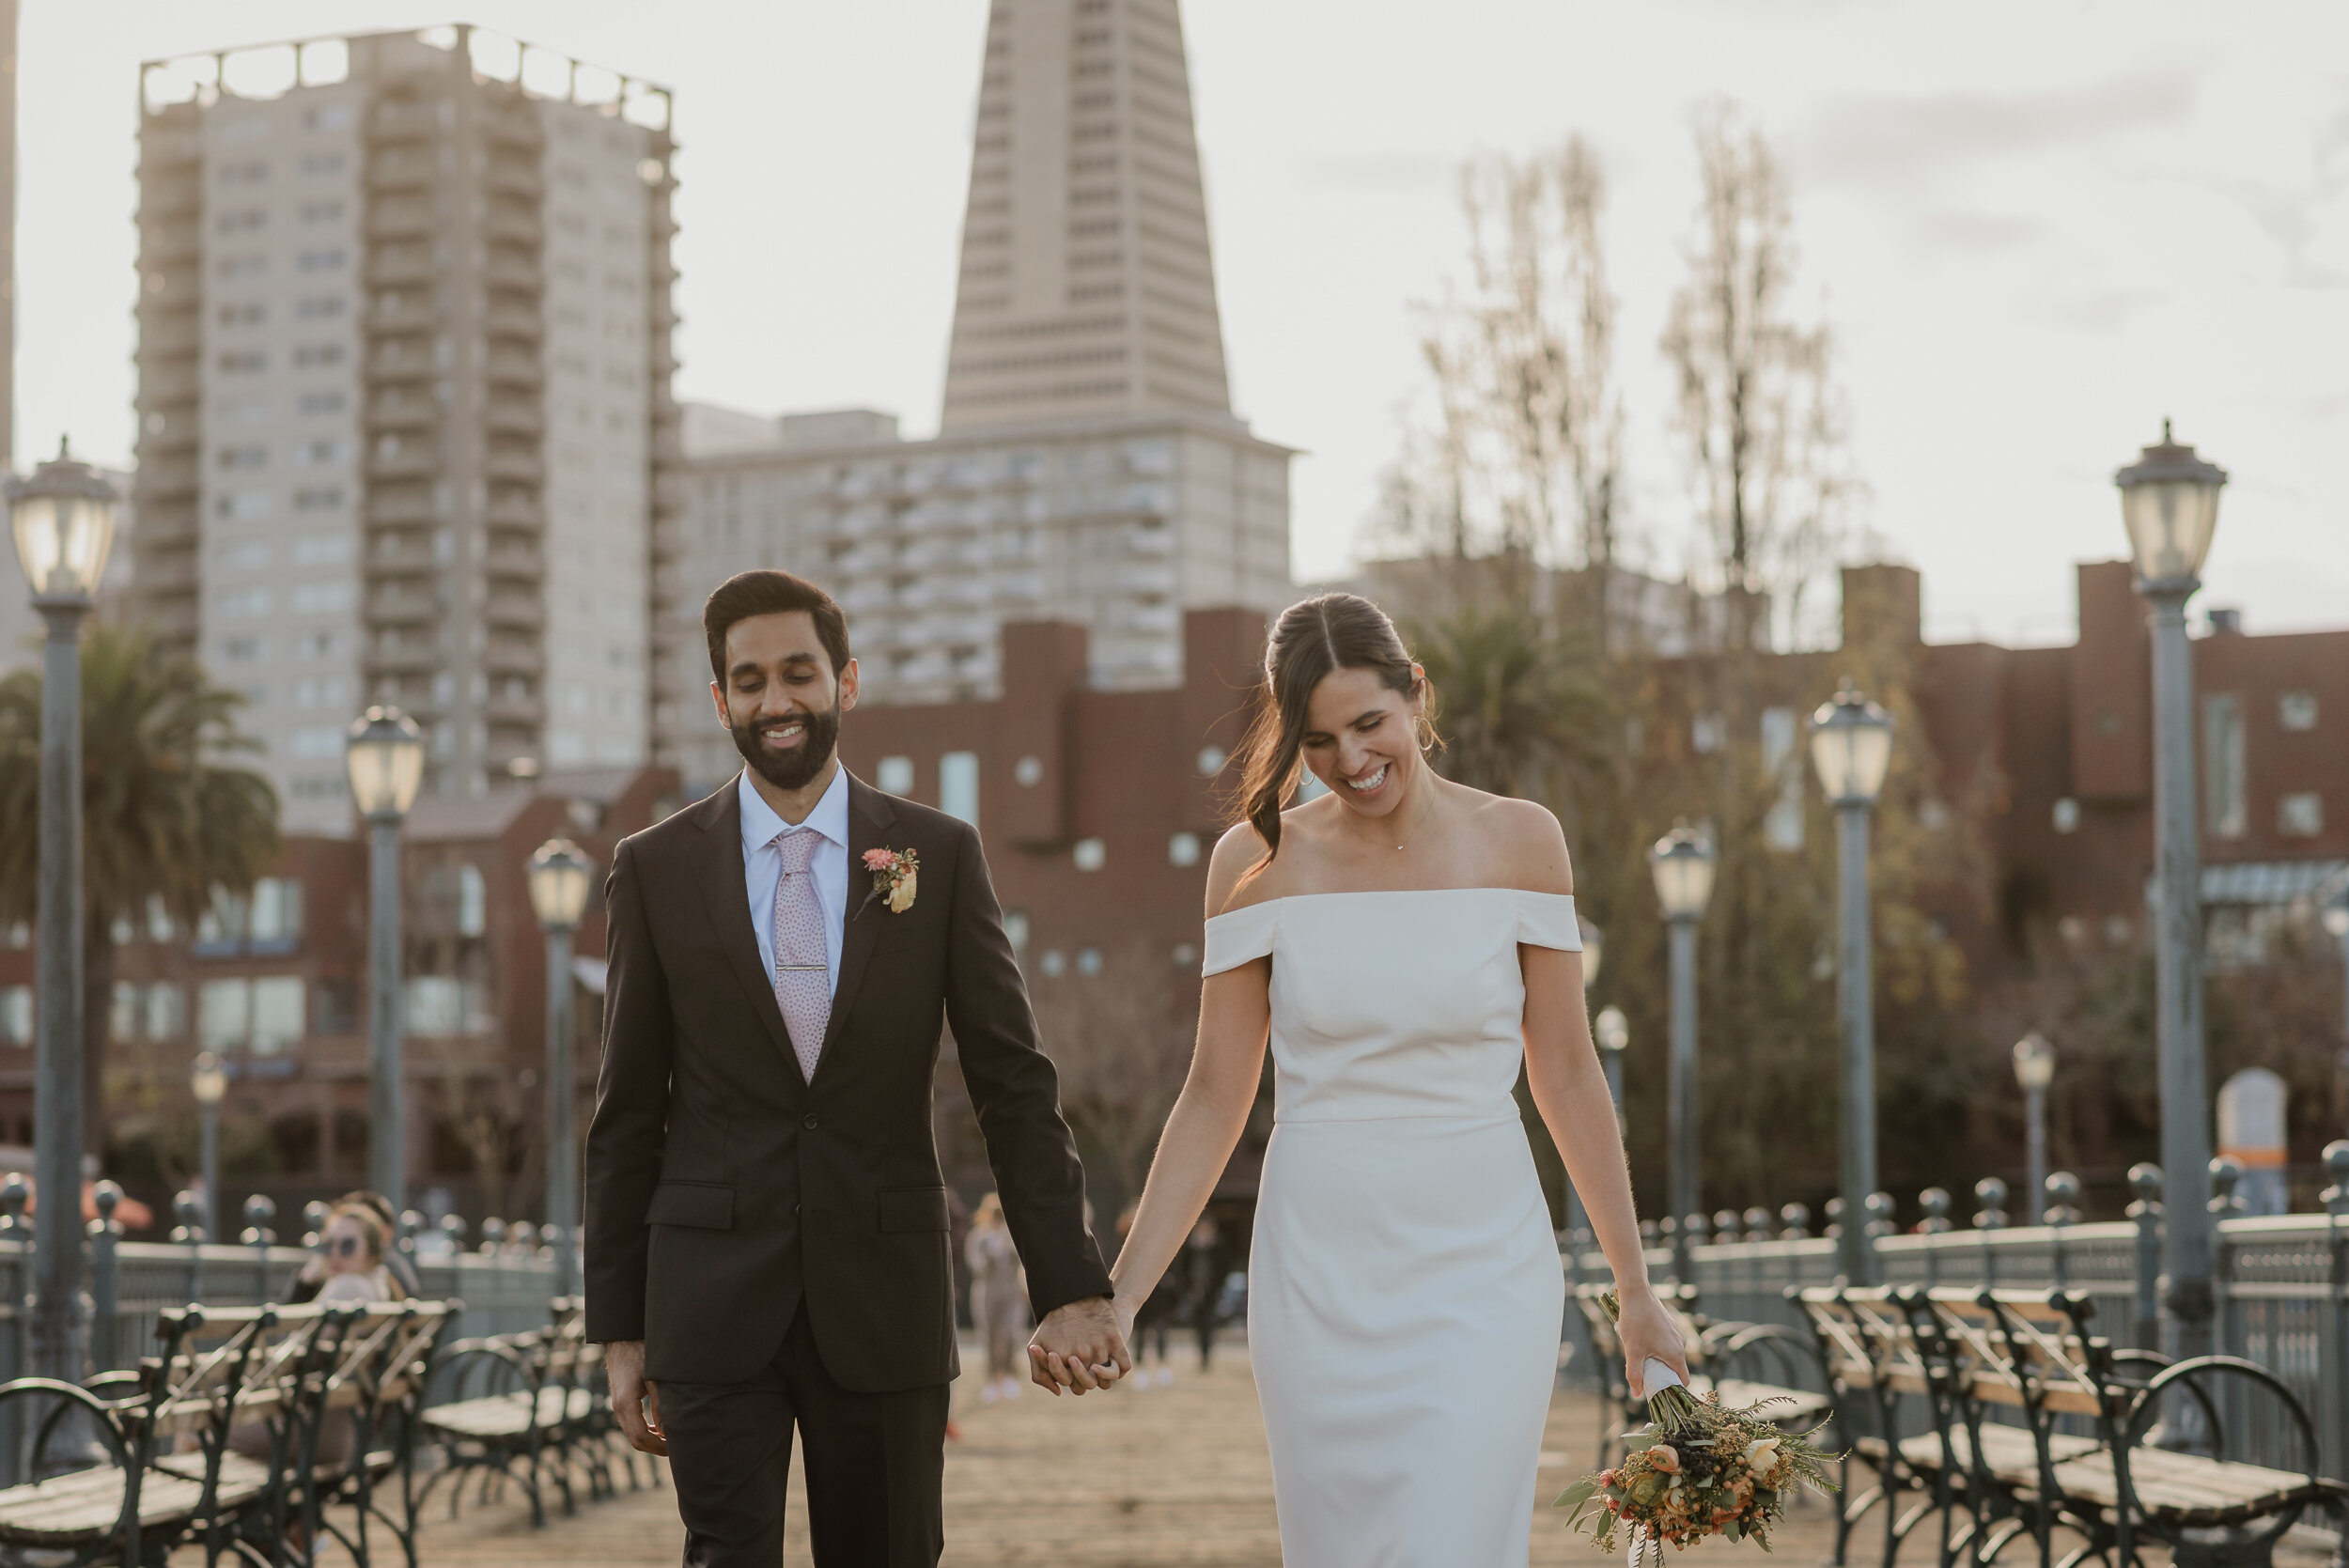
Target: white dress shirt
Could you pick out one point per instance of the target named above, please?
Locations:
(762, 865)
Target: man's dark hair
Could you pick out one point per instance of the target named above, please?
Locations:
(771, 593)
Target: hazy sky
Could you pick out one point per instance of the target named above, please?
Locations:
(2037, 229)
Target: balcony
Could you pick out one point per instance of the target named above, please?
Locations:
(514, 710)
(513, 369)
(514, 511)
(391, 606)
(398, 168)
(166, 479)
(168, 571)
(514, 611)
(504, 658)
(401, 506)
(515, 468)
(513, 226)
(395, 412)
(512, 176)
(389, 266)
(514, 416)
(394, 361)
(401, 659)
(512, 562)
(397, 119)
(507, 271)
(408, 463)
(169, 246)
(409, 313)
(401, 220)
(513, 321)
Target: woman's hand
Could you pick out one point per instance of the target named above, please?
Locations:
(1647, 1329)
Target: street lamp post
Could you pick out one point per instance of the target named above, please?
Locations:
(2169, 505)
(559, 878)
(1615, 1039)
(1594, 948)
(208, 1082)
(2336, 922)
(2035, 1069)
(1682, 865)
(385, 755)
(63, 516)
(1851, 748)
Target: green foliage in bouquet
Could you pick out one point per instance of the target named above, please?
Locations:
(1698, 1468)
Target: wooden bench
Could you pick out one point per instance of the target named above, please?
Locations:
(2034, 1423)
(523, 1408)
(1716, 1353)
(220, 1370)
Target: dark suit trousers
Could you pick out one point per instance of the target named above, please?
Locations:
(874, 1465)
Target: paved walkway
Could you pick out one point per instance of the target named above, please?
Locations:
(1150, 1478)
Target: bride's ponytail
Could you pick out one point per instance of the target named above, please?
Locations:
(1312, 637)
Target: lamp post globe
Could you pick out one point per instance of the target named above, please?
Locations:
(2169, 505)
(63, 516)
(560, 878)
(2169, 509)
(62, 519)
(1851, 750)
(1681, 866)
(384, 755)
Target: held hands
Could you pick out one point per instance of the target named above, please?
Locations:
(1080, 1346)
(1647, 1329)
(636, 1401)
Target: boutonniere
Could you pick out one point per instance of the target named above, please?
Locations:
(893, 878)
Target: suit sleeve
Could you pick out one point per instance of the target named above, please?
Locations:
(631, 1123)
(1015, 1093)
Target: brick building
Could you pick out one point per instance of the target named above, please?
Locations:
(275, 982)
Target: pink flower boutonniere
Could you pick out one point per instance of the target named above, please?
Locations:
(893, 878)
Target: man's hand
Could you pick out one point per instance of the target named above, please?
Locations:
(634, 1400)
(1079, 1347)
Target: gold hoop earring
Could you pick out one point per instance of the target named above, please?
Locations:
(1426, 733)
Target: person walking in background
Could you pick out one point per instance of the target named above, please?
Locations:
(999, 1298)
(1207, 1282)
(1154, 1322)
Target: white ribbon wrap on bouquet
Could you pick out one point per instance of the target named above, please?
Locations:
(1655, 1377)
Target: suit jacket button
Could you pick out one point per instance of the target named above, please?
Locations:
(808, 1121)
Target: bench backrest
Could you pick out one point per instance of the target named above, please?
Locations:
(224, 1365)
(1867, 1339)
(2054, 1357)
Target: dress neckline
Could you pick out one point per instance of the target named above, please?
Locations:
(1381, 893)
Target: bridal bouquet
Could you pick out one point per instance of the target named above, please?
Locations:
(1697, 1468)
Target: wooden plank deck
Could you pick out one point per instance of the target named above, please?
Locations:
(1166, 1477)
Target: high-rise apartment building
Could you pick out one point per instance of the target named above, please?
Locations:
(1088, 467)
(404, 412)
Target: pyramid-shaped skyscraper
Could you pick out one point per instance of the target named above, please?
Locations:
(1087, 285)
(1088, 468)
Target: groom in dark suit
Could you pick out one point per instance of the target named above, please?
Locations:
(767, 1223)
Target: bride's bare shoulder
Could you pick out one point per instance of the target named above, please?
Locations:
(1229, 885)
(1526, 840)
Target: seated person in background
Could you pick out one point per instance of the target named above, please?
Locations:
(352, 1251)
(314, 1272)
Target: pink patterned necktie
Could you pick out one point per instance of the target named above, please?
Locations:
(803, 975)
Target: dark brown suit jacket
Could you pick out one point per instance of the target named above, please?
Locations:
(725, 1192)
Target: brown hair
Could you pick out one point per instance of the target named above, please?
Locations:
(763, 592)
(1312, 637)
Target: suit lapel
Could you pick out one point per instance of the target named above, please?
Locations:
(725, 894)
(870, 820)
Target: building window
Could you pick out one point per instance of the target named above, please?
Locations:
(1054, 964)
(958, 786)
(1183, 849)
(1186, 955)
(1016, 931)
(122, 1017)
(276, 911)
(894, 775)
(1028, 771)
(1211, 760)
(277, 1014)
(1090, 854)
(166, 1012)
(318, 402)
(1705, 732)
(1088, 960)
(16, 1015)
(2296, 710)
(319, 261)
(224, 1014)
(2222, 765)
(473, 901)
(2300, 815)
(2067, 815)
(244, 457)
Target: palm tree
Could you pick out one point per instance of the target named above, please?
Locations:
(1524, 709)
(167, 818)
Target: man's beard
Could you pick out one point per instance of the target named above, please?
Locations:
(797, 767)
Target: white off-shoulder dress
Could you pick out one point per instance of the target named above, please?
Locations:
(1404, 1296)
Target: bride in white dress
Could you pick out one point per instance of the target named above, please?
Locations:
(1404, 942)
